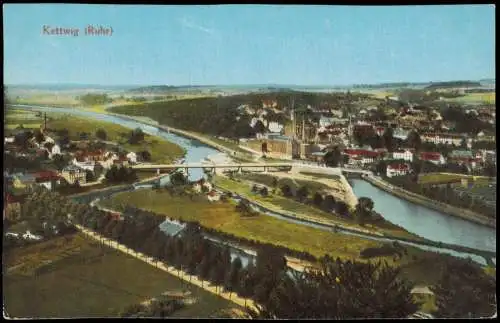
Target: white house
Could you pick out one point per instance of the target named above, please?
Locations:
(132, 157)
(88, 165)
(213, 196)
(400, 133)
(442, 138)
(405, 154)
(9, 140)
(275, 126)
(12, 234)
(55, 150)
(397, 170)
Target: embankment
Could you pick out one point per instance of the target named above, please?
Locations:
(432, 204)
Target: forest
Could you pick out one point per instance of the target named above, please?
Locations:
(220, 117)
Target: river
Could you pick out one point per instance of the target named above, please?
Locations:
(425, 222)
(417, 219)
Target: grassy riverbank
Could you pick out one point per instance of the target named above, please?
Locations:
(282, 204)
(162, 151)
(74, 277)
(224, 217)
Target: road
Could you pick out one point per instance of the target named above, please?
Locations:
(171, 270)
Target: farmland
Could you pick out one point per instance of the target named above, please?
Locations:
(73, 277)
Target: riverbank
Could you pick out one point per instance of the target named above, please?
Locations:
(432, 204)
(188, 134)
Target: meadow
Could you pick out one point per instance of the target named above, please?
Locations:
(162, 151)
(286, 205)
(70, 276)
(439, 178)
(224, 217)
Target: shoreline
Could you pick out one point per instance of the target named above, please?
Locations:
(425, 242)
(431, 204)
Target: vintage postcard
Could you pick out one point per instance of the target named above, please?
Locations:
(249, 161)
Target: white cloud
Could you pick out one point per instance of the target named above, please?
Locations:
(190, 24)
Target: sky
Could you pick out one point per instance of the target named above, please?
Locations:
(248, 44)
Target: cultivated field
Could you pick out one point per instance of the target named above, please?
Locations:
(475, 98)
(74, 277)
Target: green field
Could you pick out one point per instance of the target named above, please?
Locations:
(440, 178)
(475, 98)
(84, 279)
(267, 179)
(224, 217)
(161, 150)
(283, 204)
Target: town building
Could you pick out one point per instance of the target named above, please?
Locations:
(274, 147)
(443, 138)
(433, 157)
(73, 174)
(48, 179)
(405, 154)
(362, 157)
(397, 169)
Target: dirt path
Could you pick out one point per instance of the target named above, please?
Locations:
(171, 270)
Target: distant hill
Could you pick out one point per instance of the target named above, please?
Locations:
(389, 85)
(452, 84)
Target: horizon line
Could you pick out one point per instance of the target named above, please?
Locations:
(248, 84)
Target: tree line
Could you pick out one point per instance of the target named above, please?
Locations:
(220, 117)
(337, 289)
(444, 194)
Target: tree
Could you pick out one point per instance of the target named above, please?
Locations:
(388, 138)
(333, 158)
(274, 184)
(464, 291)
(414, 141)
(381, 167)
(264, 191)
(328, 203)
(145, 155)
(286, 190)
(89, 176)
(233, 275)
(60, 161)
(101, 134)
(364, 209)
(178, 179)
(342, 208)
(318, 199)
(340, 290)
(136, 136)
(302, 193)
(259, 127)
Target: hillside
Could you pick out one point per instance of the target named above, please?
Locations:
(220, 116)
(452, 84)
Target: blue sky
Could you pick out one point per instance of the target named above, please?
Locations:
(249, 44)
